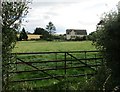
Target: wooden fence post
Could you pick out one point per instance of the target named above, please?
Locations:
(71, 61)
(65, 62)
(95, 62)
(56, 59)
(85, 57)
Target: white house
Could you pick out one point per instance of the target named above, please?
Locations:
(71, 34)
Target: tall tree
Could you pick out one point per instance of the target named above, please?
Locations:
(41, 31)
(23, 35)
(12, 14)
(50, 28)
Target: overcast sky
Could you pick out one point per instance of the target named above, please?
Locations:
(67, 14)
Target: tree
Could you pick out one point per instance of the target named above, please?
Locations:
(50, 28)
(92, 36)
(41, 31)
(108, 40)
(12, 14)
(23, 35)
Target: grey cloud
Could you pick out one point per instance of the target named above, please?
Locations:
(43, 4)
(98, 5)
(46, 17)
(50, 6)
(46, 3)
(58, 1)
(51, 13)
(86, 23)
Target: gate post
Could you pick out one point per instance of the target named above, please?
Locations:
(85, 57)
(65, 62)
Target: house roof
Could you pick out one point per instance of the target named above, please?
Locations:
(77, 31)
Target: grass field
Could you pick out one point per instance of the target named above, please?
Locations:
(39, 46)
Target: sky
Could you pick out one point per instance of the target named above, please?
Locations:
(67, 14)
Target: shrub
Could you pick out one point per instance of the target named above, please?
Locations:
(107, 38)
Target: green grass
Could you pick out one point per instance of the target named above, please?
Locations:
(39, 46)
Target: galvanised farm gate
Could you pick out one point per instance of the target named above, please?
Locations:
(36, 66)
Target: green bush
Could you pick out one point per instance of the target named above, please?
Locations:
(107, 38)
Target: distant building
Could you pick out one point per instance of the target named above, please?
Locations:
(72, 34)
(32, 36)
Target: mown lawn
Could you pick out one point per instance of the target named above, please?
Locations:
(39, 46)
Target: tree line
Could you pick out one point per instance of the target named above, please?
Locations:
(47, 33)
